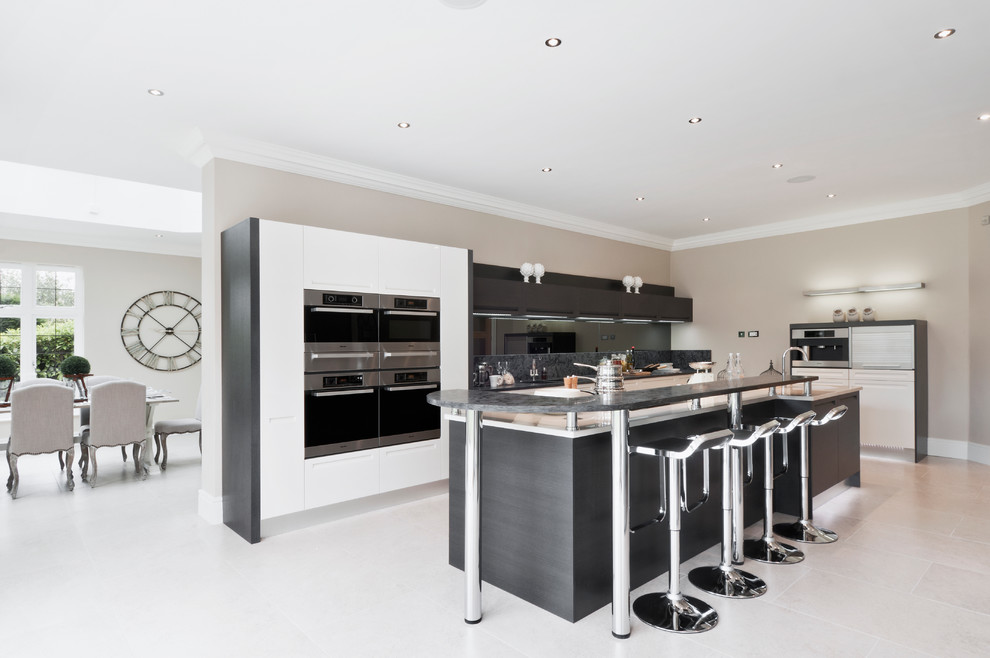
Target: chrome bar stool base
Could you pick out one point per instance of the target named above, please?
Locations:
(771, 551)
(684, 614)
(805, 532)
(729, 583)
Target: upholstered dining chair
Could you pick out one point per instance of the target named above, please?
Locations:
(163, 428)
(84, 417)
(40, 423)
(116, 418)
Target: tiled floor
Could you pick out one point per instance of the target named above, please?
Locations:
(128, 568)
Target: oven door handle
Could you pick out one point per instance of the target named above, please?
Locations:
(390, 354)
(390, 389)
(342, 355)
(328, 394)
(414, 313)
(325, 309)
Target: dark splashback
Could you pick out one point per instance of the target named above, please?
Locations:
(560, 365)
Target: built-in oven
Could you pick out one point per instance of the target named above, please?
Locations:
(828, 347)
(341, 331)
(406, 416)
(341, 412)
(409, 332)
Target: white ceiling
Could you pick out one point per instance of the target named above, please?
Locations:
(855, 93)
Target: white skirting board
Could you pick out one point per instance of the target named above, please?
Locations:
(210, 508)
(974, 452)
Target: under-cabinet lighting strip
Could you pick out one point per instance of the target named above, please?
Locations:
(847, 291)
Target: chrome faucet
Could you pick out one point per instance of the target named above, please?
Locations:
(786, 360)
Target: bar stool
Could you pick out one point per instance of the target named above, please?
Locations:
(803, 530)
(724, 579)
(767, 548)
(672, 610)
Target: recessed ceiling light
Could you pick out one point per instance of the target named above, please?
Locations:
(942, 34)
(403, 124)
(640, 198)
(552, 42)
(694, 120)
(156, 92)
(830, 196)
(706, 219)
(777, 165)
(159, 235)
(984, 117)
(546, 170)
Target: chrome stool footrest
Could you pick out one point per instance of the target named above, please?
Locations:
(771, 551)
(731, 583)
(805, 531)
(681, 614)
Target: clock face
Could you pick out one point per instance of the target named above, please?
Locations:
(162, 330)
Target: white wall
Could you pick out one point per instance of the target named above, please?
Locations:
(112, 281)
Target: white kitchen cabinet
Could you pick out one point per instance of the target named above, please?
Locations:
(408, 268)
(409, 464)
(280, 326)
(829, 379)
(336, 478)
(887, 409)
(337, 260)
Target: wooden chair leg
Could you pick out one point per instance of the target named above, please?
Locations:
(158, 446)
(15, 477)
(164, 451)
(136, 451)
(201, 442)
(123, 452)
(91, 461)
(61, 461)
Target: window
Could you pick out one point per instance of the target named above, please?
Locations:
(40, 316)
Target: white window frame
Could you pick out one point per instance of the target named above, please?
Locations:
(30, 312)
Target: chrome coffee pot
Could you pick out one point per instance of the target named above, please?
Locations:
(481, 374)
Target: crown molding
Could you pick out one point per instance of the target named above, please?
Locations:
(23, 228)
(964, 199)
(204, 147)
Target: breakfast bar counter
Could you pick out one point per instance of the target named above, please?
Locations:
(556, 503)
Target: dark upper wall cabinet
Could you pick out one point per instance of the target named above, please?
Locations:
(599, 303)
(676, 308)
(550, 299)
(497, 296)
(501, 290)
(639, 307)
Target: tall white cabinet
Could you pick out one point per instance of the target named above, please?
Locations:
(266, 265)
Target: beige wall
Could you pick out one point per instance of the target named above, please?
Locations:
(757, 285)
(243, 191)
(979, 325)
(112, 280)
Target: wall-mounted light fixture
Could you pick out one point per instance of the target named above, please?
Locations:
(847, 291)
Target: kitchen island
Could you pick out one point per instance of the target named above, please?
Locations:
(558, 502)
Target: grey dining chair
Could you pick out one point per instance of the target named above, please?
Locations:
(95, 380)
(163, 428)
(116, 418)
(40, 423)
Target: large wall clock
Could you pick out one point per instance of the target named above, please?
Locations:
(162, 330)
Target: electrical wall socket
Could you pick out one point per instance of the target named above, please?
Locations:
(985, 220)
(742, 334)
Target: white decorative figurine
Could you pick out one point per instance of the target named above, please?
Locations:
(527, 271)
(539, 271)
(637, 284)
(628, 282)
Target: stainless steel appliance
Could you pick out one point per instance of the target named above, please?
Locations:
(826, 347)
(341, 331)
(409, 332)
(405, 414)
(341, 411)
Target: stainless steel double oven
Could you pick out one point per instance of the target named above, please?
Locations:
(369, 362)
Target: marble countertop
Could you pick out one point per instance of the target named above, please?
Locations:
(633, 399)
